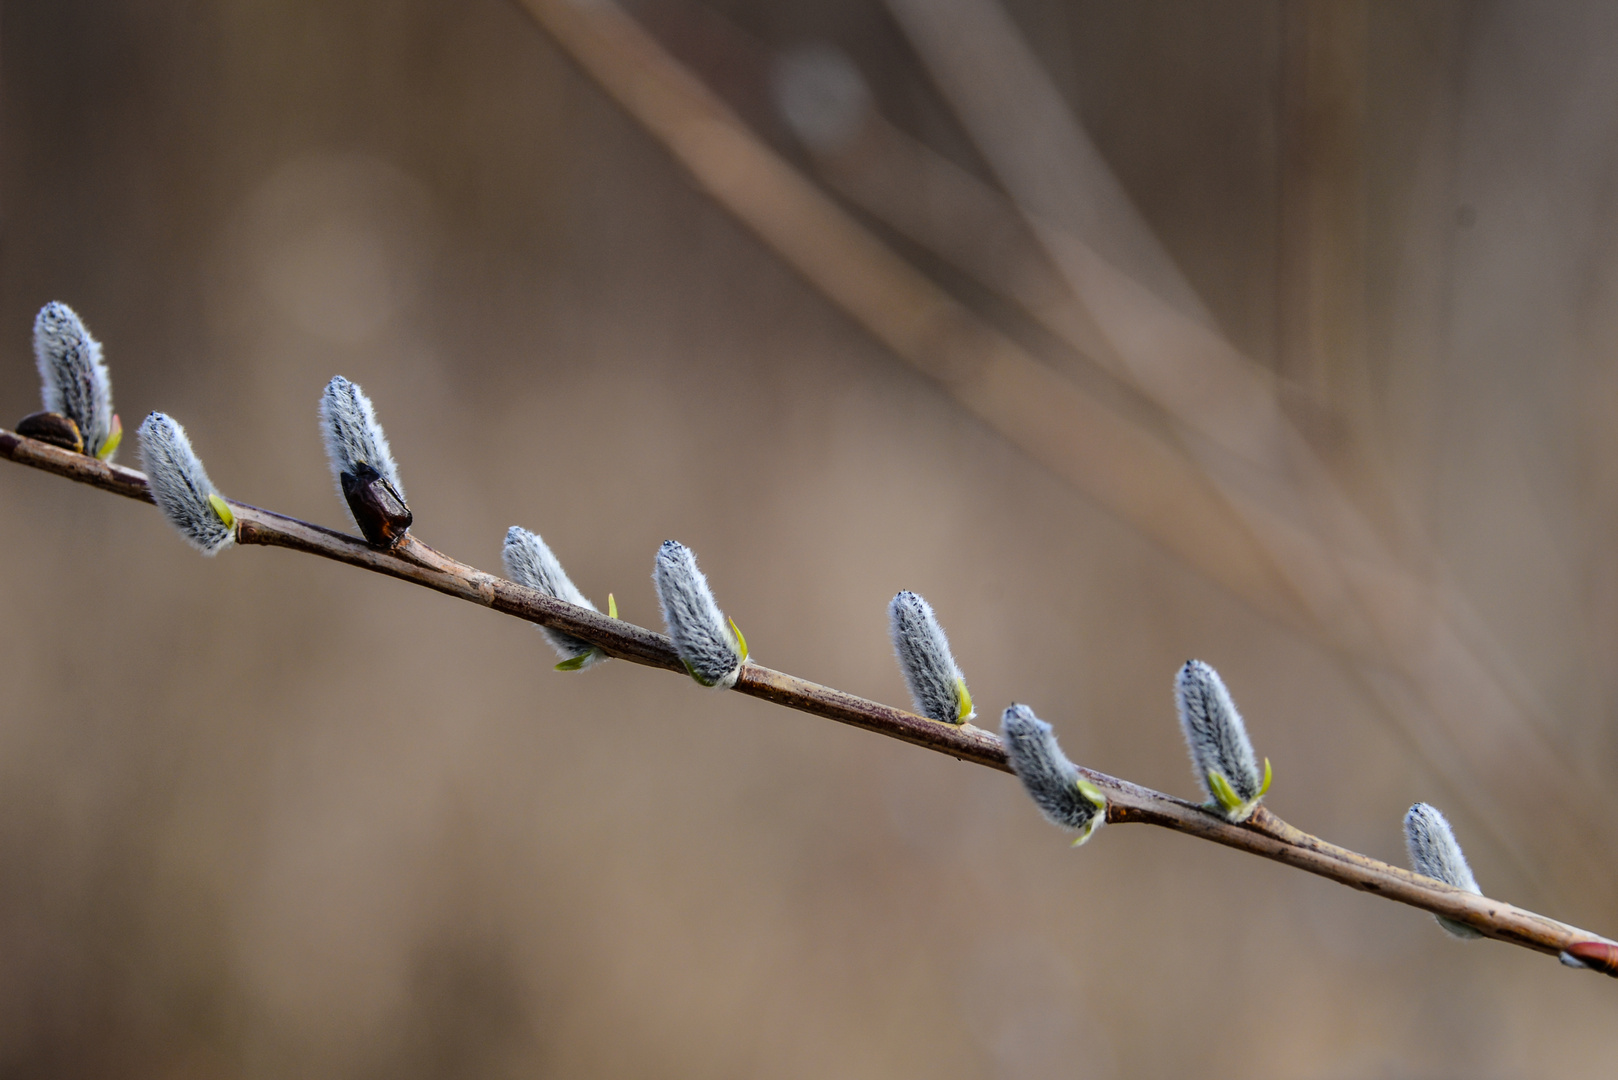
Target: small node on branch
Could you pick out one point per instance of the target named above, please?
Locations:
(74, 381)
(712, 648)
(181, 488)
(1434, 851)
(529, 561)
(1064, 796)
(936, 684)
(1221, 756)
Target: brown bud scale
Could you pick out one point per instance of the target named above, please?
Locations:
(53, 428)
(1602, 956)
(377, 507)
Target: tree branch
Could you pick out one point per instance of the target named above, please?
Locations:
(1263, 834)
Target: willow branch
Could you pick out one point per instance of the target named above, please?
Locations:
(1263, 834)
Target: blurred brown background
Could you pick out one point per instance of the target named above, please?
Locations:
(266, 816)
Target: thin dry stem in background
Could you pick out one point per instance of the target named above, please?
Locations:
(1262, 834)
(1234, 491)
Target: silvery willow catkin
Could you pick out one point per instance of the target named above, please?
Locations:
(1221, 756)
(73, 379)
(181, 488)
(935, 682)
(529, 561)
(352, 434)
(1434, 851)
(1064, 796)
(711, 650)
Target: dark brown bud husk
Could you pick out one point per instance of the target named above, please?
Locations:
(53, 428)
(377, 507)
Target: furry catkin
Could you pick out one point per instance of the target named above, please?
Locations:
(1434, 851)
(1050, 779)
(353, 435)
(935, 682)
(73, 379)
(708, 647)
(1217, 740)
(529, 562)
(181, 488)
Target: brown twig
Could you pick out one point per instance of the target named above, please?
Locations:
(1263, 834)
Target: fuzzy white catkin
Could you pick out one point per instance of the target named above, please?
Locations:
(1434, 851)
(930, 672)
(180, 486)
(529, 561)
(695, 623)
(1050, 779)
(1216, 737)
(73, 379)
(353, 436)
